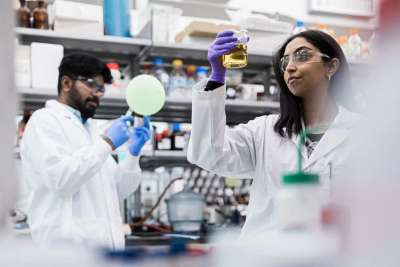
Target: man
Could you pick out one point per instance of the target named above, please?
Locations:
(75, 183)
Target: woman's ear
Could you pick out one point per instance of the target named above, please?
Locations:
(332, 67)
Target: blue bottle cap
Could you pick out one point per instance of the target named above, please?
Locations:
(176, 127)
(299, 23)
(158, 61)
(202, 69)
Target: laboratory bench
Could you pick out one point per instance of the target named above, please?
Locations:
(162, 239)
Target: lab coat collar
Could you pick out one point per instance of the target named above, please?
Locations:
(334, 136)
(66, 112)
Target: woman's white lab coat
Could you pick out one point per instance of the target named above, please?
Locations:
(75, 184)
(254, 150)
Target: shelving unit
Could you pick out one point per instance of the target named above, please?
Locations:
(134, 50)
(98, 44)
(155, 159)
(178, 110)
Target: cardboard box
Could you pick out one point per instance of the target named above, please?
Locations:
(203, 29)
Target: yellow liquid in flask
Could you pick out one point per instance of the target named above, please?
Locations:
(237, 58)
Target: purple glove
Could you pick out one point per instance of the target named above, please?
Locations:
(223, 44)
(139, 137)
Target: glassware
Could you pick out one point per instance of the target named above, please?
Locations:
(23, 15)
(237, 58)
(40, 16)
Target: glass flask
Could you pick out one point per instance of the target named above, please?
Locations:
(237, 58)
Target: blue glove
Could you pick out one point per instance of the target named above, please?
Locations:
(118, 133)
(139, 137)
(223, 44)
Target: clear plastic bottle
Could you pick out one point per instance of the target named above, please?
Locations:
(344, 44)
(178, 78)
(191, 76)
(299, 27)
(299, 202)
(324, 28)
(201, 73)
(160, 73)
(355, 43)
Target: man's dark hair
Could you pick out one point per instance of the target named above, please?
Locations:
(291, 106)
(83, 65)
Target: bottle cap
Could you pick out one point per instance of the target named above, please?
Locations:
(354, 31)
(113, 65)
(158, 61)
(300, 178)
(202, 69)
(177, 62)
(299, 23)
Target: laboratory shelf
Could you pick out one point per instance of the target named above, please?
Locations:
(122, 46)
(133, 46)
(199, 52)
(175, 109)
(158, 158)
(83, 42)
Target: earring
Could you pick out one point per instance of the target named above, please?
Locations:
(329, 77)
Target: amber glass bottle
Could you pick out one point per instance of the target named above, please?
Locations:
(40, 16)
(23, 15)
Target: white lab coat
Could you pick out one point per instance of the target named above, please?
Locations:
(254, 150)
(74, 181)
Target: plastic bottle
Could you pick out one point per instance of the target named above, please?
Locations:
(116, 15)
(116, 74)
(201, 73)
(299, 27)
(40, 17)
(299, 202)
(177, 81)
(165, 142)
(355, 43)
(160, 73)
(344, 44)
(191, 76)
(324, 28)
(23, 15)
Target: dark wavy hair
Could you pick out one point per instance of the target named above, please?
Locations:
(83, 64)
(291, 106)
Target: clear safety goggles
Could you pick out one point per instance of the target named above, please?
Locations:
(92, 84)
(299, 57)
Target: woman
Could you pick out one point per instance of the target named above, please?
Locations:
(311, 71)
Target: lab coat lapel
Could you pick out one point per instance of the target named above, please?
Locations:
(333, 137)
(58, 107)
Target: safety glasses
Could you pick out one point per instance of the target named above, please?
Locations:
(299, 57)
(92, 84)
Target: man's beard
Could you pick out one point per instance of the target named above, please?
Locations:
(87, 107)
